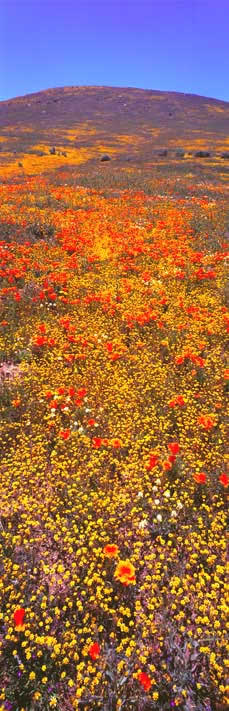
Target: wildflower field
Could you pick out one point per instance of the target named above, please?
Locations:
(114, 378)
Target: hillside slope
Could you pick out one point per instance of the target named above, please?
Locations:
(126, 123)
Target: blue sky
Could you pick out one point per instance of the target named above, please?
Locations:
(170, 45)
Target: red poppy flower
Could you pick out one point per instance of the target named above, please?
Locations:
(96, 442)
(153, 460)
(39, 341)
(172, 403)
(53, 404)
(200, 477)
(69, 357)
(174, 447)
(65, 434)
(179, 360)
(224, 479)
(42, 328)
(71, 391)
(180, 400)
(105, 442)
(172, 458)
(94, 651)
(91, 422)
(19, 615)
(81, 392)
(145, 681)
(109, 346)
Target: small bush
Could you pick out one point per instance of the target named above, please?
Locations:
(202, 154)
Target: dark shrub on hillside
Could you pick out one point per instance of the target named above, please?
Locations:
(163, 153)
(225, 155)
(52, 151)
(202, 154)
(180, 154)
(104, 158)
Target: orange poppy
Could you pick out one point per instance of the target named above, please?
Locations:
(207, 421)
(111, 550)
(167, 465)
(16, 402)
(116, 443)
(125, 572)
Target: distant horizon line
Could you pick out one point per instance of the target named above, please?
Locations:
(106, 86)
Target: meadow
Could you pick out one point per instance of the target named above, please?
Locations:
(114, 377)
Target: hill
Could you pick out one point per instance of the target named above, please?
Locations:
(83, 123)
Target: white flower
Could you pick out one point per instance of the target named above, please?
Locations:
(159, 518)
(179, 505)
(157, 502)
(143, 523)
(154, 488)
(81, 429)
(139, 495)
(173, 513)
(167, 494)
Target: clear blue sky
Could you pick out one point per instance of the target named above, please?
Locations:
(171, 45)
